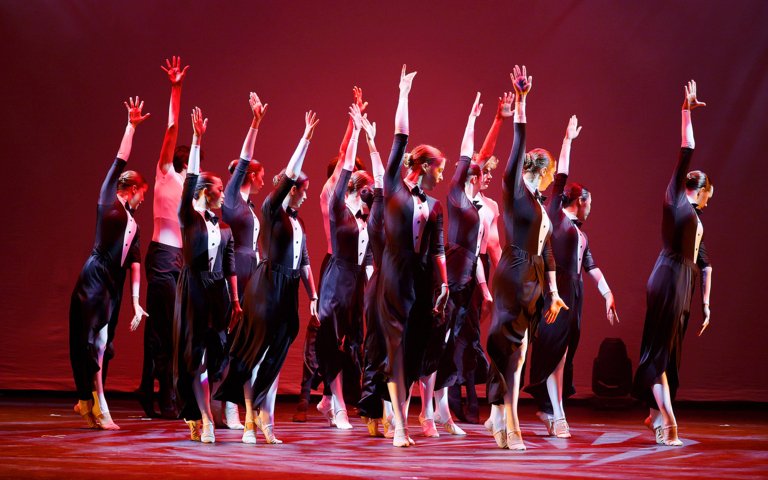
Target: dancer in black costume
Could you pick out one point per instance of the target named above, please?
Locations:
(340, 306)
(414, 241)
(206, 292)
(95, 303)
(670, 286)
(240, 214)
(519, 282)
(271, 318)
(554, 345)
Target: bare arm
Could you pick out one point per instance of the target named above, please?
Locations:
(176, 75)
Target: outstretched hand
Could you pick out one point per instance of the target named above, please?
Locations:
(175, 72)
(555, 305)
(134, 107)
(406, 81)
(310, 122)
(370, 128)
(504, 110)
(358, 95)
(477, 107)
(138, 315)
(356, 116)
(521, 82)
(258, 109)
(198, 124)
(573, 129)
(690, 102)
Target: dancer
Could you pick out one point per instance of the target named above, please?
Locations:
(310, 376)
(554, 345)
(373, 408)
(340, 311)
(519, 281)
(670, 286)
(240, 214)
(271, 302)
(95, 303)
(414, 236)
(164, 258)
(465, 235)
(469, 354)
(206, 292)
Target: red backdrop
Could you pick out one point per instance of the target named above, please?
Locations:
(620, 66)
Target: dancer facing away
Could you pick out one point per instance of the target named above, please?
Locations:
(414, 242)
(465, 235)
(670, 286)
(164, 257)
(311, 377)
(469, 354)
(206, 292)
(373, 408)
(95, 303)
(271, 317)
(519, 283)
(554, 345)
(340, 308)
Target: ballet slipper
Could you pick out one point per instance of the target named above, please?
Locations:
(326, 409)
(104, 418)
(449, 425)
(499, 434)
(269, 435)
(207, 434)
(249, 432)
(428, 427)
(561, 428)
(194, 430)
(389, 428)
(515, 441)
(373, 426)
(84, 410)
(232, 416)
(401, 438)
(670, 436)
(548, 421)
(342, 420)
(657, 431)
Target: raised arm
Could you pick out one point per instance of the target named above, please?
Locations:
(513, 174)
(467, 148)
(676, 186)
(571, 132)
(199, 126)
(176, 75)
(503, 111)
(377, 168)
(109, 186)
(246, 154)
(293, 169)
(358, 95)
(392, 174)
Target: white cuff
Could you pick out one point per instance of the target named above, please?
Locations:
(194, 159)
(520, 112)
(687, 130)
(250, 141)
(602, 286)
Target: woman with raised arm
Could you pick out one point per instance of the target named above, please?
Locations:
(341, 295)
(670, 286)
(525, 274)
(469, 354)
(95, 303)
(271, 299)
(465, 235)
(241, 215)
(554, 345)
(373, 408)
(206, 292)
(164, 258)
(414, 251)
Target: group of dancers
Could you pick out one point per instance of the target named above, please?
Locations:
(398, 301)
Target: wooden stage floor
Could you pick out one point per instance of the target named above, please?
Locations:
(40, 437)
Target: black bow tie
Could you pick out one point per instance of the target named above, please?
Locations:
(694, 205)
(541, 198)
(577, 222)
(251, 205)
(361, 215)
(129, 209)
(477, 204)
(211, 218)
(418, 192)
(291, 212)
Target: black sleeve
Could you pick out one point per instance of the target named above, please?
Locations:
(336, 203)
(588, 263)
(304, 262)
(274, 201)
(228, 262)
(513, 174)
(549, 257)
(437, 247)
(392, 173)
(134, 254)
(555, 207)
(456, 193)
(186, 211)
(232, 191)
(676, 186)
(109, 186)
(703, 260)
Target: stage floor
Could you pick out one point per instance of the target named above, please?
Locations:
(40, 437)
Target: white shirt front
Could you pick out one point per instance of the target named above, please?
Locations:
(420, 217)
(362, 237)
(699, 235)
(582, 237)
(128, 234)
(165, 207)
(214, 239)
(486, 218)
(546, 224)
(297, 234)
